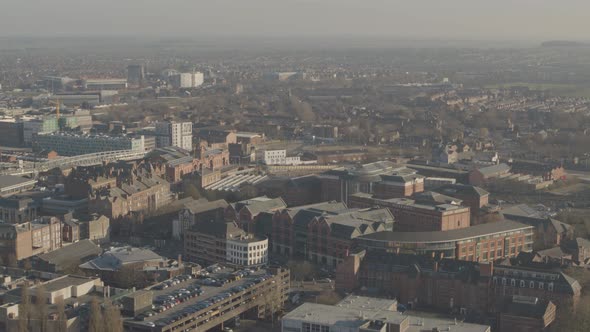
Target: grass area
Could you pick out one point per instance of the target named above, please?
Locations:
(565, 90)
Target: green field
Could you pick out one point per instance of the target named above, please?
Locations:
(565, 90)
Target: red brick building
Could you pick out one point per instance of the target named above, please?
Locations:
(482, 243)
(410, 216)
(483, 175)
(547, 171)
(524, 314)
(399, 185)
(422, 281)
(246, 213)
(324, 233)
(472, 196)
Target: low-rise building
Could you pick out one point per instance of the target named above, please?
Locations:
(365, 314)
(128, 267)
(105, 84)
(67, 258)
(547, 171)
(483, 175)
(10, 184)
(525, 313)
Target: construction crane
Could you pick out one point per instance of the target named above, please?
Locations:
(57, 104)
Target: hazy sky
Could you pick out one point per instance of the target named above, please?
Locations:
(424, 19)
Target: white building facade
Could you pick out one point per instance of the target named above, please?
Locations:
(187, 80)
(179, 134)
(247, 252)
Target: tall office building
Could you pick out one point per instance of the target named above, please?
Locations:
(135, 74)
(179, 134)
(187, 80)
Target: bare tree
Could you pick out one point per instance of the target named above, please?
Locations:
(95, 323)
(41, 311)
(112, 318)
(24, 310)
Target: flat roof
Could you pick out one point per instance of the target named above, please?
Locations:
(448, 236)
(345, 317)
(11, 181)
(67, 281)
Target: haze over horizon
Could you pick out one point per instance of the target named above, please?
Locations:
(421, 19)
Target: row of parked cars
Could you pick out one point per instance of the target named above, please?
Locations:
(168, 301)
(172, 282)
(211, 302)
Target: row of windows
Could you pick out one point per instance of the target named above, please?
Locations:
(523, 284)
(244, 247)
(307, 327)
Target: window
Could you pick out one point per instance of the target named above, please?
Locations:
(503, 281)
(550, 287)
(522, 284)
(532, 284)
(513, 282)
(541, 285)
(306, 327)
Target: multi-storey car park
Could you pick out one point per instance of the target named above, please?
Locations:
(214, 300)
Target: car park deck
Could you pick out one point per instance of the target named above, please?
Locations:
(217, 304)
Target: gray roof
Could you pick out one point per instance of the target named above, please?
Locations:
(10, 180)
(448, 236)
(494, 170)
(462, 189)
(114, 259)
(356, 311)
(525, 211)
(431, 197)
(72, 254)
(200, 206)
(218, 229)
(260, 204)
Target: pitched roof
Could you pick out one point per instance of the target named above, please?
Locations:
(218, 229)
(432, 197)
(115, 258)
(202, 205)
(494, 170)
(447, 236)
(462, 189)
(73, 254)
(260, 204)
